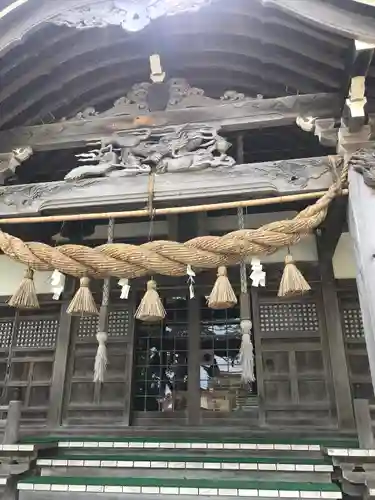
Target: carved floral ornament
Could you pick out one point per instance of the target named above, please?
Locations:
(131, 15)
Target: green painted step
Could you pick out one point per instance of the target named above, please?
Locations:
(338, 443)
(180, 486)
(191, 458)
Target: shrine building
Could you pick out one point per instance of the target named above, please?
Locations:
(187, 249)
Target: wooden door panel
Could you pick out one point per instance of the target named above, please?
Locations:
(293, 372)
(85, 402)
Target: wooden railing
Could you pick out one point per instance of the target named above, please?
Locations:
(10, 426)
(363, 410)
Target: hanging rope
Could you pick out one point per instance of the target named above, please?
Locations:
(246, 349)
(102, 335)
(170, 258)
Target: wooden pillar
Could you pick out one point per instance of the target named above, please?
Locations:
(129, 360)
(12, 425)
(193, 396)
(183, 228)
(336, 343)
(59, 368)
(364, 423)
(362, 229)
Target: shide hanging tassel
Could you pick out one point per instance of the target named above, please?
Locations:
(292, 282)
(57, 284)
(83, 303)
(101, 359)
(151, 309)
(222, 295)
(25, 296)
(247, 352)
(125, 288)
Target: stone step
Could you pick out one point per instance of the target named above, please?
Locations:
(187, 455)
(213, 462)
(186, 445)
(349, 453)
(172, 486)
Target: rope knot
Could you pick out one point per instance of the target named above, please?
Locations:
(29, 274)
(289, 259)
(102, 338)
(84, 282)
(222, 271)
(151, 285)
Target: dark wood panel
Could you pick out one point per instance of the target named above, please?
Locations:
(87, 403)
(294, 375)
(355, 344)
(229, 117)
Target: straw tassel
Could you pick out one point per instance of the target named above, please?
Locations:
(151, 309)
(25, 297)
(247, 353)
(83, 303)
(292, 282)
(222, 295)
(101, 360)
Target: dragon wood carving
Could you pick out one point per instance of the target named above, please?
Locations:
(187, 148)
(179, 95)
(363, 162)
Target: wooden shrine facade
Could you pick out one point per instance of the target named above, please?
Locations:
(52, 357)
(140, 114)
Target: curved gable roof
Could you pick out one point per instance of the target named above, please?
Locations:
(270, 47)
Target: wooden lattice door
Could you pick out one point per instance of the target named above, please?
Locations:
(27, 353)
(355, 344)
(87, 403)
(292, 362)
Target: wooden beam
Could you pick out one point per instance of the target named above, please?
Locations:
(361, 227)
(329, 17)
(364, 424)
(355, 113)
(129, 361)
(333, 226)
(255, 179)
(59, 368)
(13, 423)
(335, 337)
(246, 114)
(189, 226)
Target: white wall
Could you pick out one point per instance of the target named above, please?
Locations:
(343, 261)
(11, 274)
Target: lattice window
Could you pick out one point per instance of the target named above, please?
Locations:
(352, 323)
(37, 333)
(6, 327)
(161, 362)
(88, 326)
(118, 324)
(291, 317)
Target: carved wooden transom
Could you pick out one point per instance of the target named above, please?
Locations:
(6, 327)
(36, 333)
(291, 317)
(352, 323)
(118, 325)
